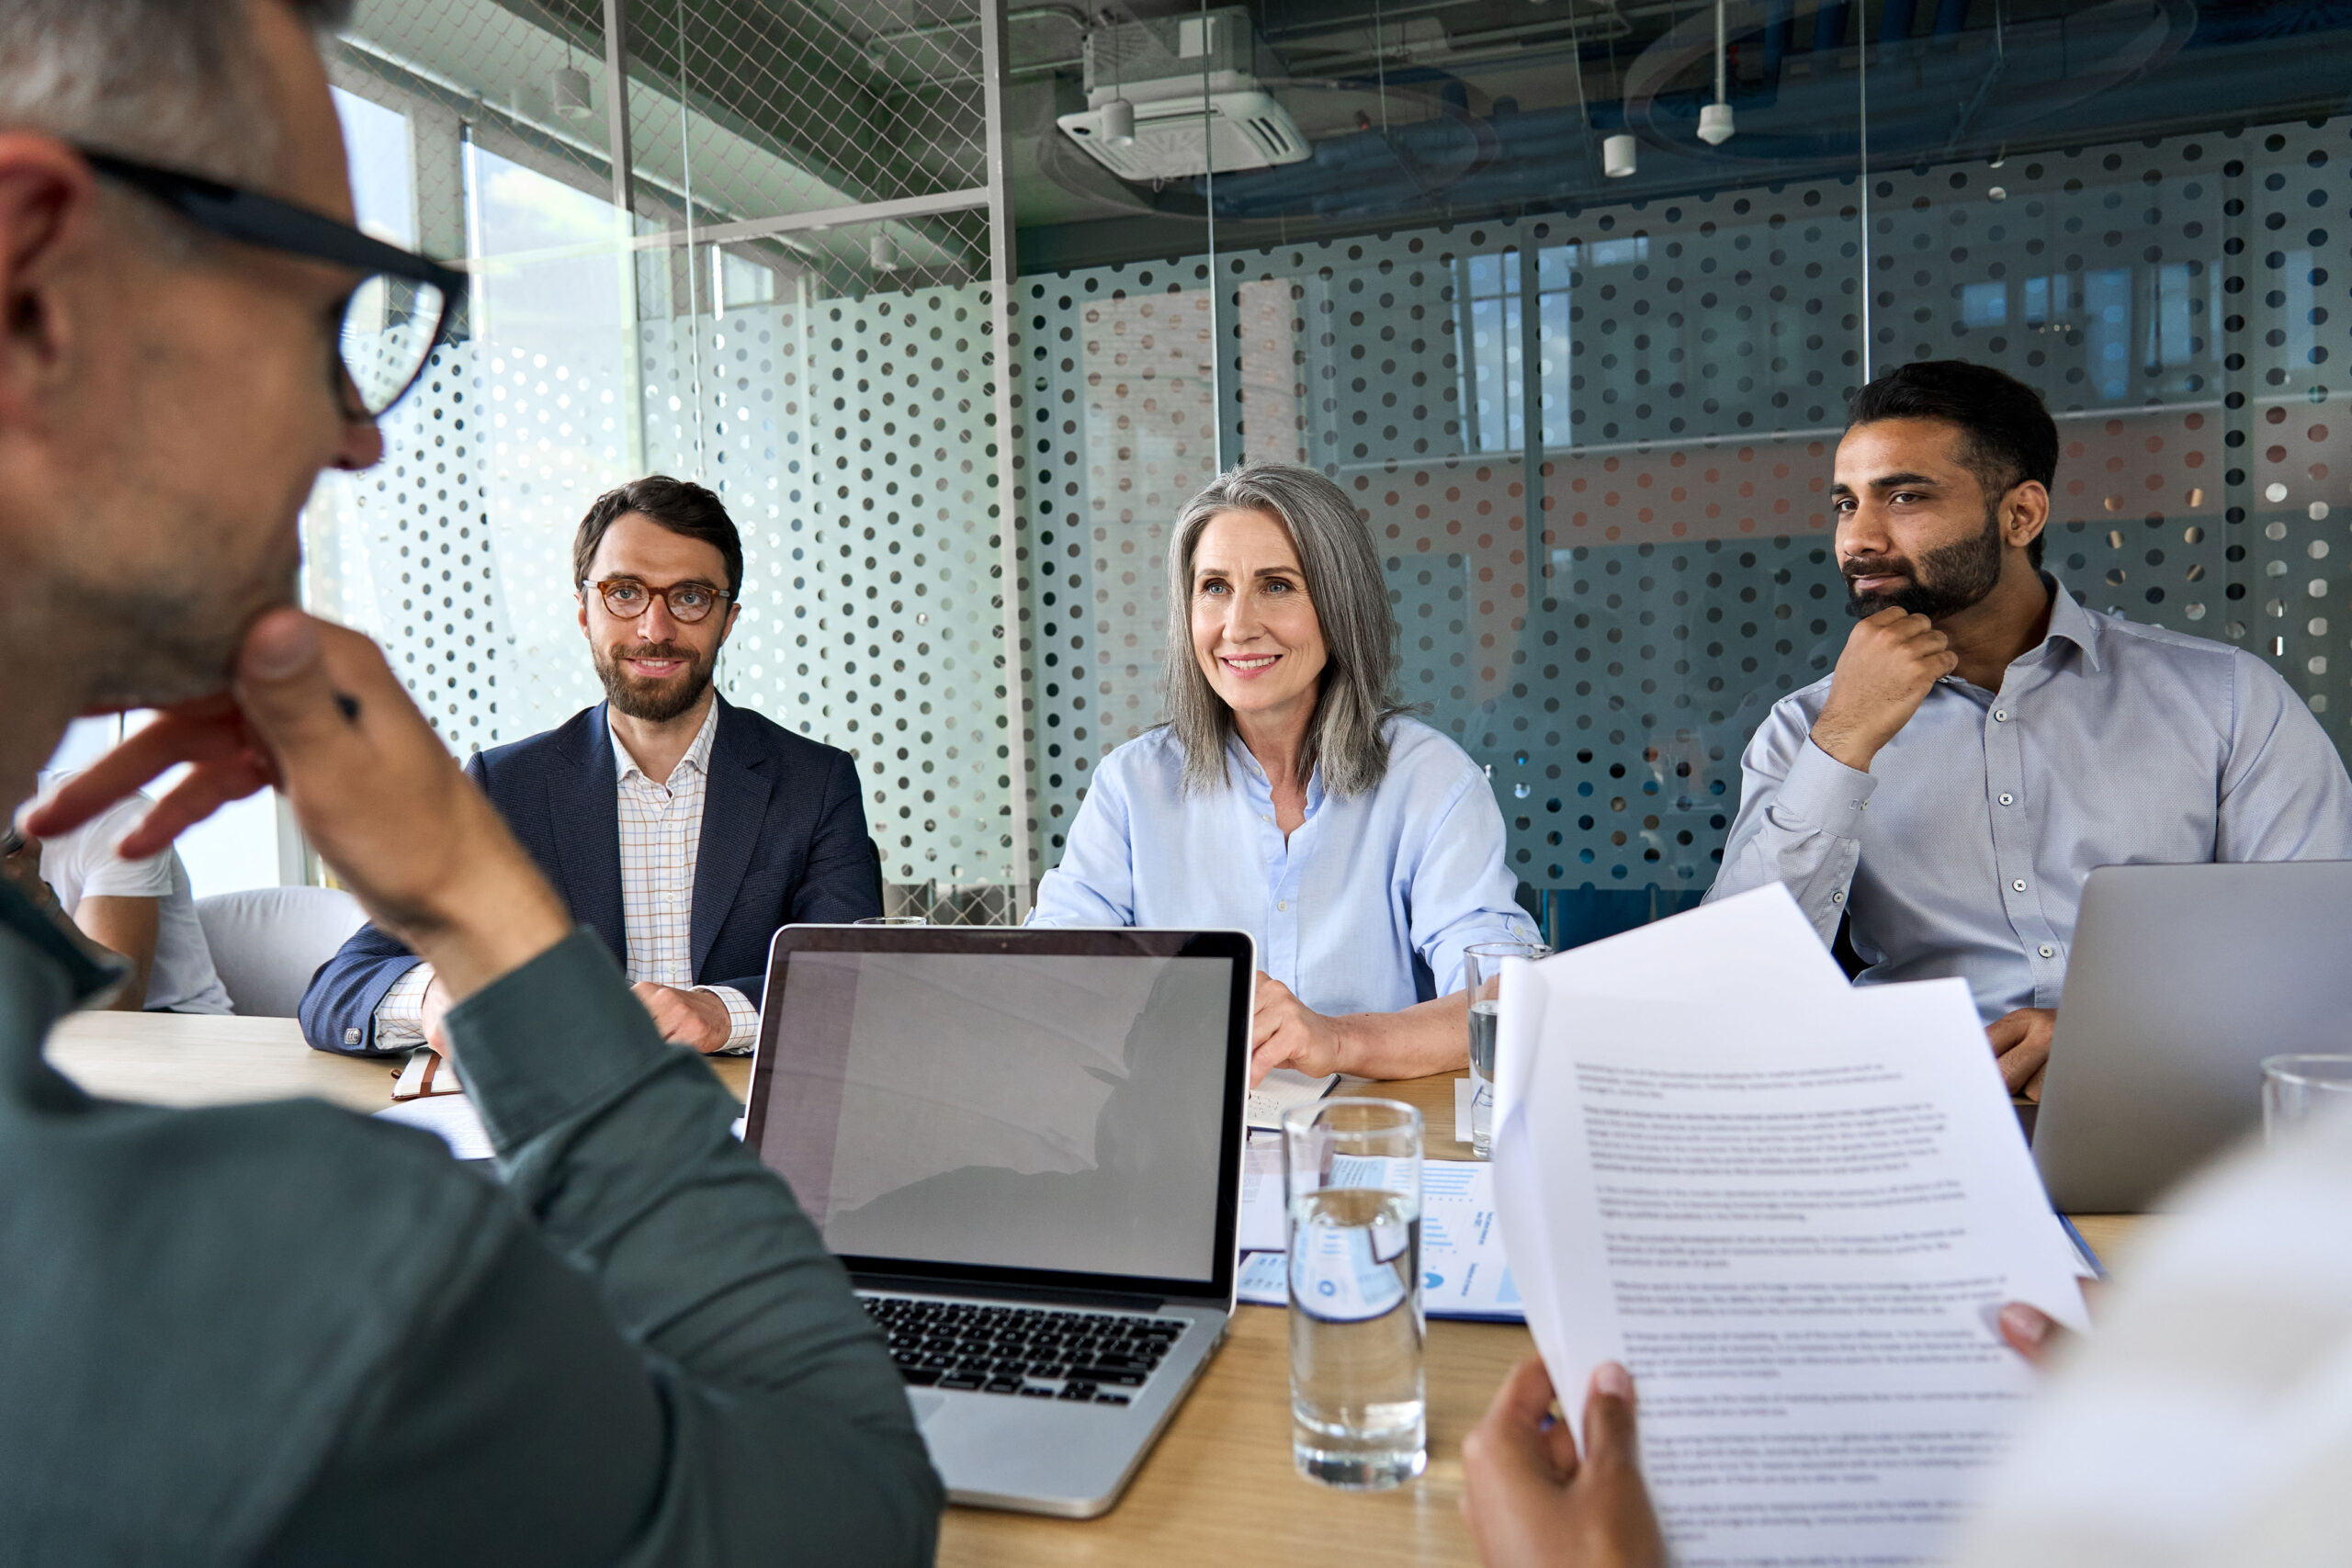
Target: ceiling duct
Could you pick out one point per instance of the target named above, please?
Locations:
(1190, 87)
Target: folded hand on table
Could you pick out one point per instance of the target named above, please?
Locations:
(687, 1018)
(314, 709)
(2021, 1041)
(1530, 1500)
(1286, 1033)
(695, 1018)
(1428, 1037)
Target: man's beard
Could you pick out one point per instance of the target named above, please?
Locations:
(655, 701)
(1944, 581)
(174, 642)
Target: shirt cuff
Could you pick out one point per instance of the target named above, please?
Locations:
(1823, 793)
(400, 1017)
(743, 1019)
(557, 1036)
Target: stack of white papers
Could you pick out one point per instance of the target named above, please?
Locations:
(449, 1117)
(1792, 1207)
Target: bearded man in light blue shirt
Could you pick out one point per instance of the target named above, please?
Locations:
(1985, 740)
(1290, 796)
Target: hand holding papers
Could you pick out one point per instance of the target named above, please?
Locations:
(1792, 1209)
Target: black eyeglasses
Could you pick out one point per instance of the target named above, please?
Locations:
(393, 320)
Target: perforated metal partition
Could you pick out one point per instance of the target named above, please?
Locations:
(869, 613)
(1685, 366)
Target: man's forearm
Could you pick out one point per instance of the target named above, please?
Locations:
(1803, 830)
(618, 1146)
(126, 926)
(1428, 1037)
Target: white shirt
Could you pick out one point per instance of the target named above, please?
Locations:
(660, 838)
(1413, 868)
(83, 864)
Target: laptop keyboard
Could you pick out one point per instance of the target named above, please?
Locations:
(1085, 1357)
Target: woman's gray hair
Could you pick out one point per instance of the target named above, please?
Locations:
(176, 82)
(1348, 736)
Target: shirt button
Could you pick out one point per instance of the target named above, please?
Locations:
(2008, 800)
(2018, 885)
(2002, 715)
(1837, 897)
(2049, 952)
(1283, 904)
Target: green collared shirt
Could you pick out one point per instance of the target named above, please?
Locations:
(282, 1333)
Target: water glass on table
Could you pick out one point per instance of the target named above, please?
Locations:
(2296, 1088)
(1352, 1169)
(1483, 970)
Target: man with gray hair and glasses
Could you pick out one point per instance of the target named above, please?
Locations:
(281, 1333)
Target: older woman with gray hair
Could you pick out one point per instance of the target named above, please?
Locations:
(1289, 796)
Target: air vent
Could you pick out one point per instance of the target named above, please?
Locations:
(1180, 137)
(1193, 82)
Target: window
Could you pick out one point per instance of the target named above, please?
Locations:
(383, 175)
(1494, 390)
(737, 281)
(1984, 304)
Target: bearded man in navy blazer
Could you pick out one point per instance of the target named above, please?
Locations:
(684, 829)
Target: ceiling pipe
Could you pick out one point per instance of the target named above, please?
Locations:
(1069, 14)
(1489, 43)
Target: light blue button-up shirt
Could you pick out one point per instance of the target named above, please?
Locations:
(1963, 850)
(1365, 884)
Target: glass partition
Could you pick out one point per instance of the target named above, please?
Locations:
(1582, 360)
(778, 285)
(1584, 369)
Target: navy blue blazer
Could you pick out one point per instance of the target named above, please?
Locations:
(783, 842)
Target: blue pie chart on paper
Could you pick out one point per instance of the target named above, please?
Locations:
(1431, 1282)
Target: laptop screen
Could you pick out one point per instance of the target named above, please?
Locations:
(1059, 1112)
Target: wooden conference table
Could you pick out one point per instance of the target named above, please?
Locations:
(1217, 1488)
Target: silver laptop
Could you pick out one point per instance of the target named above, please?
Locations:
(2182, 980)
(1027, 1147)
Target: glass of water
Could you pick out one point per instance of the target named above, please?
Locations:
(1483, 970)
(1352, 1170)
(2296, 1088)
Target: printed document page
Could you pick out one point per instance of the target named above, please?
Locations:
(1757, 950)
(1793, 1222)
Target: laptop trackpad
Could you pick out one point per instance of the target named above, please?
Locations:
(926, 1404)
